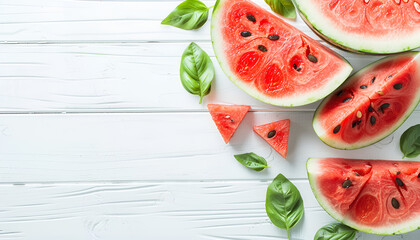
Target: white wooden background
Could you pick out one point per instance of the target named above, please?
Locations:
(98, 139)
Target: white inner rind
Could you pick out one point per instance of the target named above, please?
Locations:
(333, 142)
(296, 100)
(390, 43)
(314, 171)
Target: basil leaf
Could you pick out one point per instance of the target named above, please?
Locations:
(283, 7)
(252, 161)
(335, 231)
(196, 71)
(190, 14)
(410, 142)
(283, 204)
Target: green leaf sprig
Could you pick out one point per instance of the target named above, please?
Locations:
(283, 203)
(410, 142)
(252, 161)
(283, 7)
(189, 15)
(335, 231)
(196, 71)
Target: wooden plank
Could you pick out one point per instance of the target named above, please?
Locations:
(214, 211)
(97, 21)
(113, 78)
(158, 146)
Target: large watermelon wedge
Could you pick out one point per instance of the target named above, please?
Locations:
(372, 26)
(371, 104)
(373, 196)
(271, 60)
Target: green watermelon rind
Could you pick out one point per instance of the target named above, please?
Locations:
(311, 167)
(339, 78)
(348, 46)
(333, 143)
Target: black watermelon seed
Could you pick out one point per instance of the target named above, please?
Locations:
(370, 109)
(356, 123)
(346, 184)
(312, 58)
(373, 80)
(418, 176)
(296, 67)
(346, 100)
(363, 87)
(399, 182)
(384, 106)
(262, 48)
(395, 203)
(251, 17)
(339, 93)
(390, 76)
(273, 37)
(398, 86)
(245, 34)
(337, 129)
(271, 133)
(372, 120)
(356, 173)
(398, 173)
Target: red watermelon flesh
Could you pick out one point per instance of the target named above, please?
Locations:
(374, 196)
(276, 134)
(227, 118)
(374, 26)
(371, 104)
(270, 59)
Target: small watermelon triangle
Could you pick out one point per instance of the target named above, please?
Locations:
(227, 118)
(276, 134)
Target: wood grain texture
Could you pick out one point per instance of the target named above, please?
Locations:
(137, 157)
(49, 21)
(231, 211)
(113, 78)
(158, 146)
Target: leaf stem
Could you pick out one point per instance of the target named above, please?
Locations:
(210, 7)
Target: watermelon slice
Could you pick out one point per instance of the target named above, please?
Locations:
(276, 134)
(373, 196)
(372, 26)
(271, 60)
(372, 104)
(227, 118)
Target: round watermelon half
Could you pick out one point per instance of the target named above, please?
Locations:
(371, 104)
(373, 196)
(271, 60)
(369, 26)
